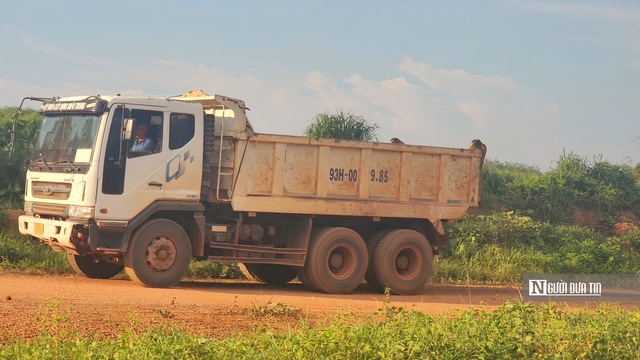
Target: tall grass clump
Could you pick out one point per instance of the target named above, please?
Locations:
(515, 330)
(342, 125)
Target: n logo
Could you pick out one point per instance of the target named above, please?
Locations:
(537, 287)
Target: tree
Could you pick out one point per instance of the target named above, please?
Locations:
(11, 169)
(342, 125)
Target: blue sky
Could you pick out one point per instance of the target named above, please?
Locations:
(531, 79)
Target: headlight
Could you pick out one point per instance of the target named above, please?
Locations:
(28, 207)
(80, 212)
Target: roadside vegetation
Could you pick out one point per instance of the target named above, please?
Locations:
(573, 189)
(515, 330)
(578, 217)
(501, 247)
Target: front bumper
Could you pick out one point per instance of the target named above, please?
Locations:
(54, 232)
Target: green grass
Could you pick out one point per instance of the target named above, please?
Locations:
(214, 270)
(491, 264)
(515, 330)
(18, 252)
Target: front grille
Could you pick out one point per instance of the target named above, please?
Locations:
(50, 190)
(50, 209)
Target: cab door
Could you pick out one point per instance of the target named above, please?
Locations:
(184, 158)
(130, 179)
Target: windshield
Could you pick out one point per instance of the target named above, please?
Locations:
(65, 138)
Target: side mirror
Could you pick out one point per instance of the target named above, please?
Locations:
(128, 127)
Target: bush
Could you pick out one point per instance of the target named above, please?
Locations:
(552, 195)
(500, 248)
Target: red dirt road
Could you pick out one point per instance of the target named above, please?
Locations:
(33, 304)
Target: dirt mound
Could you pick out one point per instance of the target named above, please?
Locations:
(629, 216)
(622, 228)
(587, 218)
(194, 93)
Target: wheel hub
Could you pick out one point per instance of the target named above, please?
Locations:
(408, 263)
(161, 254)
(341, 262)
(402, 262)
(336, 260)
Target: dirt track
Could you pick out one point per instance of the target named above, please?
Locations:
(32, 304)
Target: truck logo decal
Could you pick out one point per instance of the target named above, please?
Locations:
(177, 166)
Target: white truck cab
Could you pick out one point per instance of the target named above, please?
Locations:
(84, 171)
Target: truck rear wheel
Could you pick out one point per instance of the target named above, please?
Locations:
(336, 260)
(158, 254)
(371, 248)
(92, 268)
(403, 261)
(272, 273)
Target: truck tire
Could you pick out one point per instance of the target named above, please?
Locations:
(159, 254)
(336, 260)
(272, 273)
(302, 273)
(403, 261)
(371, 248)
(92, 268)
(304, 279)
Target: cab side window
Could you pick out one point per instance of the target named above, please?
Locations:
(148, 133)
(181, 130)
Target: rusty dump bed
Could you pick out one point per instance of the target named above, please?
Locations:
(292, 174)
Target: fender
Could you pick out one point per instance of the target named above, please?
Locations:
(114, 239)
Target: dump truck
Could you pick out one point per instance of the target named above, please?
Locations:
(332, 213)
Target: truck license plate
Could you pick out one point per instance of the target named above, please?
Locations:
(38, 228)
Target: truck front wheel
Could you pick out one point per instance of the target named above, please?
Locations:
(92, 268)
(403, 261)
(158, 254)
(336, 260)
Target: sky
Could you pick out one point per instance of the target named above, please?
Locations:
(532, 79)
